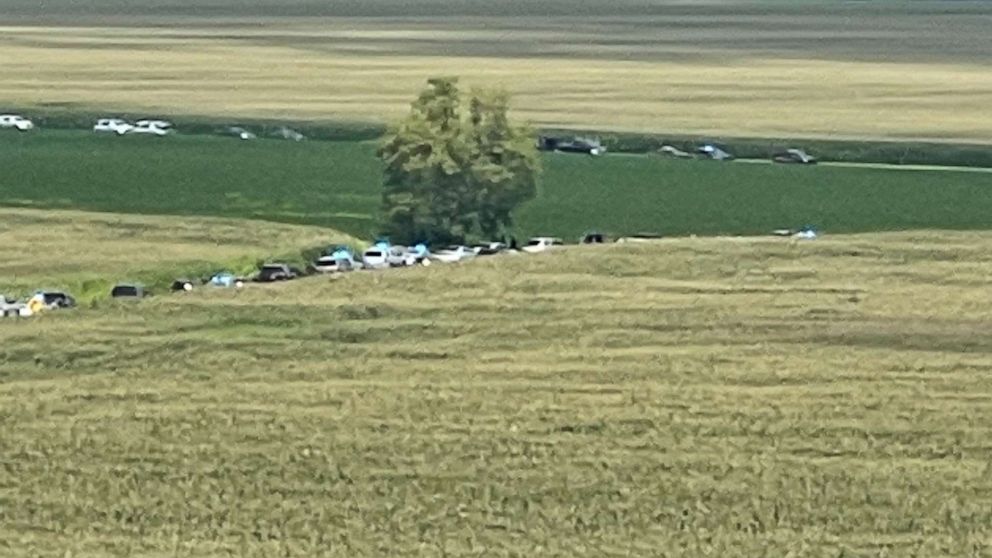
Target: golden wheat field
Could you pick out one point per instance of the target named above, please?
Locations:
(741, 68)
(689, 397)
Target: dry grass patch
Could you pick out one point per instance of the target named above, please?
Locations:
(84, 251)
(692, 397)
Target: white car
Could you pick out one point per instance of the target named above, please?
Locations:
(331, 264)
(541, 243)
(113, 125)
(400, 256)
(14, 121)
(375, 258)
(240, 133)
(151, 127)
(453, 254)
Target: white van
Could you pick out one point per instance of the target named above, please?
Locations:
(541, 243)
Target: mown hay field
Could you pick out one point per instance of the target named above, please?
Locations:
(834, 69)
(86, 253)
(337, 185)
(693, 397)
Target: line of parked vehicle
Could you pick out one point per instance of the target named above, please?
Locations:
(340, 259)
(381, 255)
(715, 153)
(149, 127)
(335, 260)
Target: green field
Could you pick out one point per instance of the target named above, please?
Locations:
(695, 397)
(336, 184)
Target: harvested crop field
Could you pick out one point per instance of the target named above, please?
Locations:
(729, 397)
(85, 253)
(835, 69)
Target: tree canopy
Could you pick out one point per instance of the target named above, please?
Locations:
(456, 169)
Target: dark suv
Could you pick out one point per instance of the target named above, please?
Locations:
(277, 272)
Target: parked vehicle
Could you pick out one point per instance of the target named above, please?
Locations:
(113, 125)
(593, 237)
(289, 134)
(489, 248)
(239, 132)
(151, 128)
(10, 307)
(225, 279)
(50, 300)
(674, 152)
(795, 157)
(375, 258)
(640, 237)
(541, 244)
(400, 256)
(711, 151)
(16, 122)
(420, 253)
(128, 290)
(276, 272)
(453, 254)
(331, 264)
(182, 284)
(588, 146)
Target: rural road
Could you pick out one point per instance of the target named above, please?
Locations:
(884, 166)
(841, 164)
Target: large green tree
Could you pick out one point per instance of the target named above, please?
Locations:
(456, 170)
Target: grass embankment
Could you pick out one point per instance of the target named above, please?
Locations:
(890, 70)
(697, 397)
(86, 253)
(336, 184)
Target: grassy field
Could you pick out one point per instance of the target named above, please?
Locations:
(696, 397)
(826, 69)
(86, 253)
(336, 184)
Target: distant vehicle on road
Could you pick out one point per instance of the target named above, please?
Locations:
(588, 146)
(271, 272)
(113, 125)
(289, 134)
(711, 151)
(239, 132)
(795, 157)
(151, 128)
(16, 122)
(674, 152)
(541, 244)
